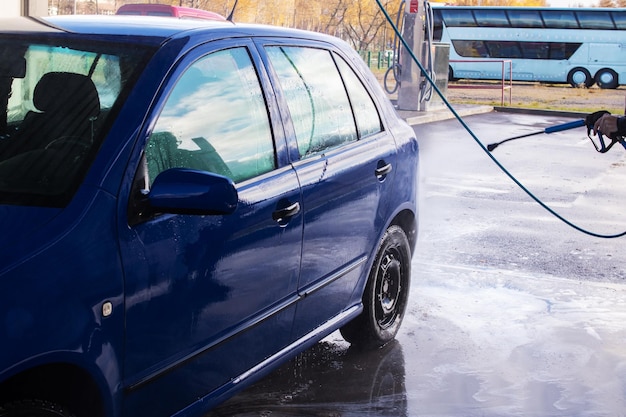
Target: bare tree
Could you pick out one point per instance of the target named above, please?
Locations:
(364, 23)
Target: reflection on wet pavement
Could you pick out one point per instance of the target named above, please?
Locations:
(329, 380)
(488, 342)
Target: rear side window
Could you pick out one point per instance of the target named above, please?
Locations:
(316, 98)
(365, 112)
(215, 120)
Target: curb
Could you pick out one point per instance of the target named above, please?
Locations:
(539, 112)
(414, 118)
(417, 118)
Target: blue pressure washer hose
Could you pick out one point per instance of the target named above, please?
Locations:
(551, 129)
(473, 135)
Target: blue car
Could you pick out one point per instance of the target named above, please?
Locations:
(185, 205)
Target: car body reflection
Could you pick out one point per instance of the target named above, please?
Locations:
(330, 379)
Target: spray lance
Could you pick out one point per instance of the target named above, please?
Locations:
(589, 121)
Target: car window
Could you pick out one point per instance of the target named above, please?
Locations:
(103, 69)
(316, 97)
(365, 112)
(57, 98)
(215, 119)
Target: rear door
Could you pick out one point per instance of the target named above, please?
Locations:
(344, 160)
(209, 296)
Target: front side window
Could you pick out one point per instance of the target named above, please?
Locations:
(215, 119)
(316, 97)
(55, 99)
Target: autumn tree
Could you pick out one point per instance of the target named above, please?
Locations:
(363, 22)
(332, 16)
(533, 3)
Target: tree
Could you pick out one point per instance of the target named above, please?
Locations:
(499, 2)
(364, 21)
(333, 16)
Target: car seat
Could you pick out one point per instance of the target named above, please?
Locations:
(67, 104)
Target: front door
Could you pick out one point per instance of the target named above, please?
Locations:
(209, 296)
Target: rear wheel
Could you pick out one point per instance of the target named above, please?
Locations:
(386, 293)
(607, 78)
(33, 408)
(580, 77)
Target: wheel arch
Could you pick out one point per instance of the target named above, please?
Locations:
(407, 220)
(57, 382)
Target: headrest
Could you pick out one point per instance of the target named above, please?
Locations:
(63, 90)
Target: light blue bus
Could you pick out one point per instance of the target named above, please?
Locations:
(579, 46)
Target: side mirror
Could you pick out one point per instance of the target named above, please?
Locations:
(189, 191)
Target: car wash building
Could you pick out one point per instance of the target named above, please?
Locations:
(10, 8)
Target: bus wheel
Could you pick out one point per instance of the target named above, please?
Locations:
(451, 74)
(607, 78)
(579, 77)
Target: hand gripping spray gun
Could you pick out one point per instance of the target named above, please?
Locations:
(588, 121)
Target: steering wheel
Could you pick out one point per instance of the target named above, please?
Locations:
(69, 142)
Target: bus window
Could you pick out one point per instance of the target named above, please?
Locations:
(562, 50)
(525, 18)
(559, 19)
(471, 49)
(503, 49)
(595, 20)
(619, 18)
(536, 50)
(461, 17)
(491, 18)
(437, 25)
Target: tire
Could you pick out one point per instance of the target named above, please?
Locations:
(607, 78)
(33, 408)
(386, 293)
(451, 74)
(580, 77)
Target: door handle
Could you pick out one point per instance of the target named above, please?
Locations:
(284, 213)
(383, 170)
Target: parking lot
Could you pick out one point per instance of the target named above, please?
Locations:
(512, 312)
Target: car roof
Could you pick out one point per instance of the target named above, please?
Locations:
(144, 27)
(164, 27)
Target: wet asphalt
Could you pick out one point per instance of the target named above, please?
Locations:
(512, 311)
